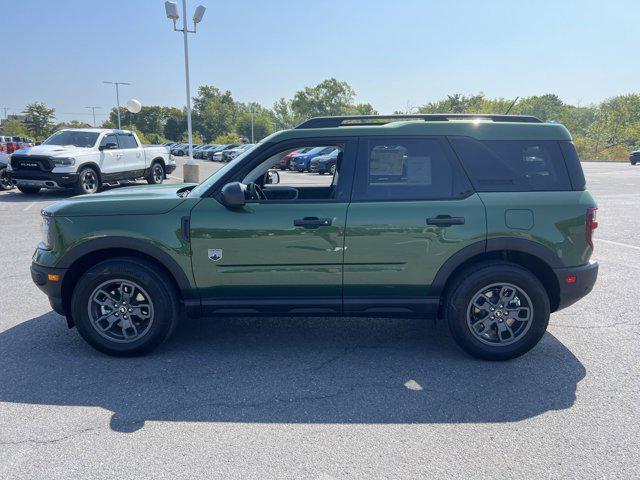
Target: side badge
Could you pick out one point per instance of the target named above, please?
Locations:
(214, 254)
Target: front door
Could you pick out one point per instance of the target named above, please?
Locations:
(412, 209)
(282, 253)
(111, 161)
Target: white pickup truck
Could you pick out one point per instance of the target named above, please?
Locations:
(84, 159)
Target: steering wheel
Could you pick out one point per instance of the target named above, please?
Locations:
(255, 192)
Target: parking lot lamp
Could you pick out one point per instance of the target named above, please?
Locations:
(117, 84)
(191, 168)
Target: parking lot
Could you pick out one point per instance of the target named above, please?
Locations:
(326, 398)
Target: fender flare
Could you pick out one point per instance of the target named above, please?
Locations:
(496, 244)
(128, 243)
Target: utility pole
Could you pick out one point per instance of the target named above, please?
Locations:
(117, 84)
(93, 110)
(5, 111)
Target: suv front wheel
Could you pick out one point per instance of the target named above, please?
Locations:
(497, 311)
(124, 306)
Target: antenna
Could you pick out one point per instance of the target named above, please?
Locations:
(511, 106)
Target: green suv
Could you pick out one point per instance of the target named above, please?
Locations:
(480, 220)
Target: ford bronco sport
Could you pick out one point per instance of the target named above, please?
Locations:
(482, 221)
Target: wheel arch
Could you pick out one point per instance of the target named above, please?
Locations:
(535, 257)
(82, 257)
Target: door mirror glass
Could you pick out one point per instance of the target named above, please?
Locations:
(233, 194)
(271, 177)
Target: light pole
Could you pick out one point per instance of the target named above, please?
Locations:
(191, 168)
(252, 124)
(93, 110)
(117, 84)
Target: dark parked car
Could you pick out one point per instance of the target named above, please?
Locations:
(324, 163)
(216, 154)
(634, 157)
(201, 152)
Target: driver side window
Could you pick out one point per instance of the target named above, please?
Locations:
(299, 173)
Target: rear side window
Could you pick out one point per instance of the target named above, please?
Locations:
(513, 165)
(111, 138)
(127, 141)
(405, 169)
(573, 165)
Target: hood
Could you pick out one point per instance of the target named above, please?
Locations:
(140, 200)
(52, 150)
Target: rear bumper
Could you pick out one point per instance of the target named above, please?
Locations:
(46, 280)
(43, 179)
(585, 279)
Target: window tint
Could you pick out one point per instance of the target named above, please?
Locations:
(513, 165)
(111, 138)
(573, 165)
(404, 168)
(126, 140)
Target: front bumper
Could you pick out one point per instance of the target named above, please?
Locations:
(575, 282)
(49, 280)
(42, 179)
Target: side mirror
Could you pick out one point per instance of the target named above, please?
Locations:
(272, 176)
(38, 143)
(233, 195)
(108, 146)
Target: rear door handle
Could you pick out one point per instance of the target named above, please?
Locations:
(445, 220)
(312, 222)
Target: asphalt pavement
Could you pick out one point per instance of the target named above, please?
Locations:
(326, 398)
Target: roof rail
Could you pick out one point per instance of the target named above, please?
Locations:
(358, 120)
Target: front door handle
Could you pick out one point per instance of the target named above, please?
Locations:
(312, 222)
(445, 220)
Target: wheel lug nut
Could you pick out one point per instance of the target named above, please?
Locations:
(131, 310)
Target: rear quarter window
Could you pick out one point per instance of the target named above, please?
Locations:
(513, 165)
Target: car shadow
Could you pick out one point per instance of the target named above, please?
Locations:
(274, 370)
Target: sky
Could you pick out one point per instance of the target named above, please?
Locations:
(393, 53)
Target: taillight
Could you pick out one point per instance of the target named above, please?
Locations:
(11, 147)
(1, 147)
(592, 224)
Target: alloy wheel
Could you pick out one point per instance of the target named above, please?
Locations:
(499, 314)
(120, 311)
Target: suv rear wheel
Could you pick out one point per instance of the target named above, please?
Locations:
(497, 311)
(5, 181)
(124, 306)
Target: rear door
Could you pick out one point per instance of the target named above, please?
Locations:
(133, 157)
(412, 209)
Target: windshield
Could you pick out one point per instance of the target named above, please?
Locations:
(77, 138)
(204, 186)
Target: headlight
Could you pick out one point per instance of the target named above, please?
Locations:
(64, 161)
(47, 233)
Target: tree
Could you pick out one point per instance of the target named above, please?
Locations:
(39, 120)
(262, 125)
(176, 124)
(227, 138)
(330, 97)
(214, 113)
(13, 127)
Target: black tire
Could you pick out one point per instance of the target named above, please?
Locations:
(28, 190)
(156, 174)
(155, 282)
(633, 162)
(5, 181)
(466, 286)
(88, 182)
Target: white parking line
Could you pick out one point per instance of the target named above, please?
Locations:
(635, 247)
(28, 206)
